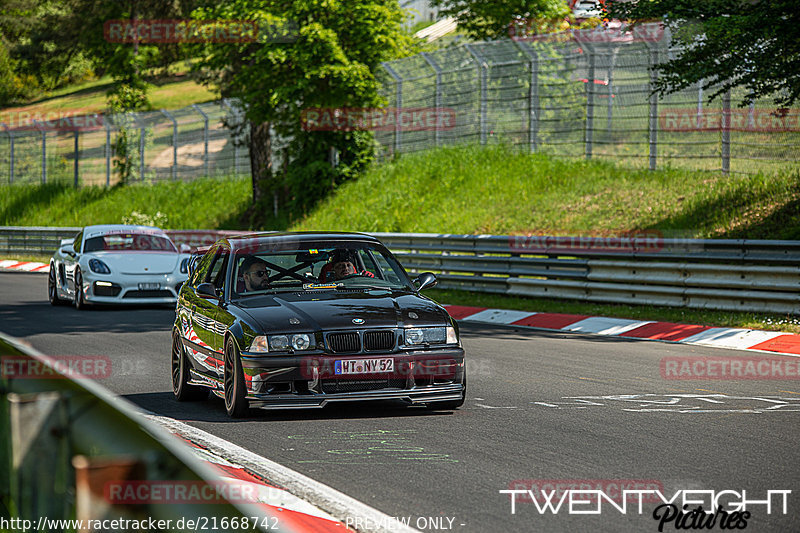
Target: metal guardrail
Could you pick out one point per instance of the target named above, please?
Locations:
(64, 441)
(740, 275)
(724, 274)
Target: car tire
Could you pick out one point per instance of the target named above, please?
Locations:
(233, 382)
(451, 405)
(52, 287)
(77, 300)
(180, 374)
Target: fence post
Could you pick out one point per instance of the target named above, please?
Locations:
(589, 132)
(437, 96)
(726, 132)
(11, 155)
(174, 143)
(700, 103)
(205, 138)
(652, 123)
(483, 72)
(235, 114)
(76, 163)
(611, 65)
(533, 93)
(107, 127)
(44, 149)
(398, 132)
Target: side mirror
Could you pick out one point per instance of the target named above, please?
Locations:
(185, 248)
(206, 291)
(426, 280)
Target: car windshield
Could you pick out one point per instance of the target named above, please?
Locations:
(129, 242)
(264, 268)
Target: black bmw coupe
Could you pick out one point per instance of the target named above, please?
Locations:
(286, 320)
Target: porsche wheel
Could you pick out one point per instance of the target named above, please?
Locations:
(180, 375)
(235, 389)
(77, 299)
(52, 288)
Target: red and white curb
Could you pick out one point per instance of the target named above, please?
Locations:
(296, 500)
(732, 338)
(24, 266)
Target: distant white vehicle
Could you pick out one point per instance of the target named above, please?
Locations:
(117, 264)
(585, 9)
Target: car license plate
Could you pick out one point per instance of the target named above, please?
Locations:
(149, 286)
(364, 366)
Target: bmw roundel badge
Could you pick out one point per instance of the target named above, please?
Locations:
(358, 321)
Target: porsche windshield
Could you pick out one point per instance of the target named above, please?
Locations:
(129, 242)
(301, 266)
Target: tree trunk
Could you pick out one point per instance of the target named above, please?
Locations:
(261, 161)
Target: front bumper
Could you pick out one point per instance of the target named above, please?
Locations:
(130, 289)
(280, 382)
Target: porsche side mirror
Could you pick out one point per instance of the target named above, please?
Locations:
(185, 248)
(426, 280)
(206, 291)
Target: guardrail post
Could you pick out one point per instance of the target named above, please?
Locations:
(533, 93)
(174, 143)
(437, 95)
(726, 132)
(205, 137)
(398, 132)
(11, 153)
(44, 149)
(483, 73)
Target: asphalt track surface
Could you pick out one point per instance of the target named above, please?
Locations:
(409, 462)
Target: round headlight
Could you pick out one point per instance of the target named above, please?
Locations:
(301, 342)
(414, 336)
(278, 342)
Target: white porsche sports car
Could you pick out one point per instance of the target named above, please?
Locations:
(117, 263)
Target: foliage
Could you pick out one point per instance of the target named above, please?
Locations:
(122, 99)
(326, 56)
(157, 219)
(726, 44)
(493, 19)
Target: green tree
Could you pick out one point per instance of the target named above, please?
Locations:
(321, 54)
(494, 19)
(754, 44)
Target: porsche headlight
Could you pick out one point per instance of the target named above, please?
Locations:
(416, 336)
(98, 267)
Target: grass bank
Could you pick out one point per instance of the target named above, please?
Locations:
(500, 190)
(200, 204)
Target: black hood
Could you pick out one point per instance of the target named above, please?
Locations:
(330, 310)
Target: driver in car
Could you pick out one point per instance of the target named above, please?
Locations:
(255, 274)
(341, 267)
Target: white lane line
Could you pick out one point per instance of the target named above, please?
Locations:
(601, 325)
(337, 504)
(498, 316)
